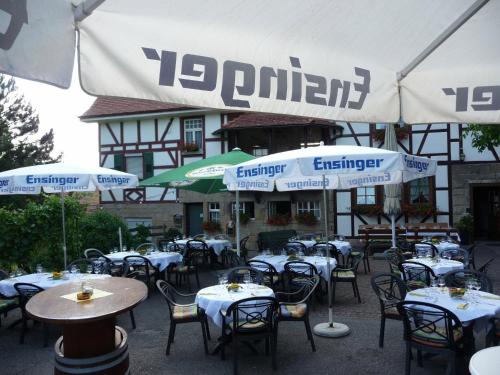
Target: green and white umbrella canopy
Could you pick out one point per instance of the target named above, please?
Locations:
(203, 176)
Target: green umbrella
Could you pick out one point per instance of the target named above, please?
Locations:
(204, 176)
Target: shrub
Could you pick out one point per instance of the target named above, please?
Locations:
(100, 230)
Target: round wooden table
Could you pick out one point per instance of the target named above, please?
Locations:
(91, 343)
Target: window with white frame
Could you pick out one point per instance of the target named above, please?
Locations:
(259, 151)
(366, 195)
(419, 191)
(193, 131)
(247, 208)
(309, 207)
(214, 212)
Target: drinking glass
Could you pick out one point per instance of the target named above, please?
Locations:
(441, 283)
(115, 249)
(283, 252)
(39, 268)
(124, 248)
(74, 269)
(89, 268)
(164, 247)
(223, 279)
(246, 279)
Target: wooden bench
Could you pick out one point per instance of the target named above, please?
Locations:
(416, 232)
(378, 237)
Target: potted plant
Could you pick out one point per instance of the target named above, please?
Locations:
(279, 220)
(465, 226)
(244, 218)
(306, 218)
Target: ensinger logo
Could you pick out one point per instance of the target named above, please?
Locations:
(4, 183)
(259, 170)
(344, 163)
(112, 180)
(44, 180)
(215, 170)
(241, 81)
(419, 165)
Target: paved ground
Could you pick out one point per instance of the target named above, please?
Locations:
(357, 353)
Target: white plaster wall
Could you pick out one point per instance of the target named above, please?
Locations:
(174, 133)
(212, 149)
(155, 193)
(212, 123)
(162, 159)
(130, 131)
(147, 130)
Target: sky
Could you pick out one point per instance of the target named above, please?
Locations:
(59, 109)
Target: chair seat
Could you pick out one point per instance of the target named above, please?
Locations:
(293, 310)
(416, 284)
(182, 269)
(274, 279)
(435, 338)
(6, 304)
(392, 312)
(343, 274)
(181, 312)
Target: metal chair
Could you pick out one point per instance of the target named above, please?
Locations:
(458, 279)
(299, 311)
(272, 278)
(430, 328)
(26, 291)
(146, 271)
(325, 248)
(484, 267)
(182, 313)
(425, 247)
(416, 275)
(295, 247)
(390, 290)
(192, 258)
(145, 247)
(237, 275)
(347, 273)
(394, 257)
(297, 273)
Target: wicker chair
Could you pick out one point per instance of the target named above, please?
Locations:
(190, 262)
(180, 314)
(390, 290)
(296, 273)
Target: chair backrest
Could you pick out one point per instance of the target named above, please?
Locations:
(197, 245)
(256, 314)
(3, 274)
(237, 275)
(307, 237)
(26, 291)
(325, 248)
(484, 267)
(424, 248)
(168, 292)
(394, 257)
(200, 236)
(459, 278)
(415, 272)
(336, 237)
(428, 324)
(81, 264)
(93, 253)
(389, 288)
(137, 263)
(459, 255)
(171, 246)
(309, 286)
(264, 267)
(300, 269)
(221, 237)
(295, 247)
(243, 246)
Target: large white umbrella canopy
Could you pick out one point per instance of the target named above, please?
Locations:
(61, 178)
(357, 60)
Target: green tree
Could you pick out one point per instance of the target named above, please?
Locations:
(483, 136)
(20, 142)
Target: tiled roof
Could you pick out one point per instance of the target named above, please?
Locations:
(262, 120)
(114, 106)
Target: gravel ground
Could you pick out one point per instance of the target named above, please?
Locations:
(357, 353)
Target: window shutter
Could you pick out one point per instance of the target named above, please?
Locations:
(119, 162)
(148, 164)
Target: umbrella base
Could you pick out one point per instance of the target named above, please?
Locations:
(332, 331)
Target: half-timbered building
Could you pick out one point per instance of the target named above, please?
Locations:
(147, 137)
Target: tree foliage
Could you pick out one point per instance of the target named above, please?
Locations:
(100, 230)
(20, 142)
(483, 136)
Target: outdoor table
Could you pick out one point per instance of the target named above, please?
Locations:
(45, 281)
(215, 298)
(91, 343)
(216, 245)
(343, 246)
(158, 258)
(479, 305)
(440, 246)
(441, 266)
(279, 261)
(485, 362)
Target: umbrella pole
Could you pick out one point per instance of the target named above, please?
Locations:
(329, 329)
(237, 222)
(393, 230)
(64, 230)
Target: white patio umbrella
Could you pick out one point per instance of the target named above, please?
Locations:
(392, 207)
(327, 167)
(61, 178)
(355, 60)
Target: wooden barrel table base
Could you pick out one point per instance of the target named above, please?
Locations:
(112, 363)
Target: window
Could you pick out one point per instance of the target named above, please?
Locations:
(245, 207)
(134, 222)
(419, 191)
(193, 131)
(312, 207)
(139, 164)
(279, 208)
(366, 195)
(214, 212)
(259, 151)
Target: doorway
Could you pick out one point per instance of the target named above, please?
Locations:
(194, 218)
(486, 212)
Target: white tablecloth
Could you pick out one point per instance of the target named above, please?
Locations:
(158, 258)
(484, 308)
(343, 246)
(44, 280)
(441, 267)
(441, 246)
(214, 298)
(485, 362)
(278, 261)
(216, 245)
